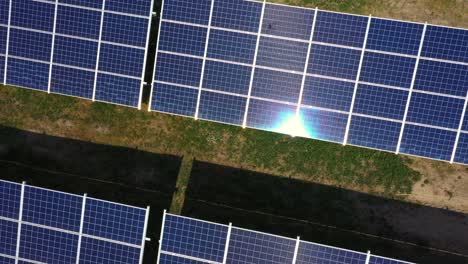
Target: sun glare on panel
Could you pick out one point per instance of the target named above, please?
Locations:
(292, 125)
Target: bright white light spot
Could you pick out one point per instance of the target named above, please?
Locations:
(293, 126)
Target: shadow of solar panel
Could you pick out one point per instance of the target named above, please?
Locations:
(10, 194)
(314, 253)
(8, 234)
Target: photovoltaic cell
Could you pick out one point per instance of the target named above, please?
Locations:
(121, 60)
(284, 54)
(331, 94)
(387, 69)
(10, 194)
(435, 110)
(2, 65)
(98, 251)
(446, 43)
(28, 74)
(178, 69)
(287, 21)
(117, 90)
(31, 45)
(222, 108)
(276, 85)
(226, 77)
(47, 246)
(441, 77)
(85, 3)
(114, 221)
(174, 99)
(238, 15)
(427, 142)
(247, 247)
(231, 46)
(314, 253)
(461, 154)
(136, 7)
(169, 259)
(4, 8)
(125, 29)
(394, 36)
(8, 260)
(380, 260)
(182, 39)
(334, 62)
(197, 12)
(194, 238)
(33, 15)
(78, 22)
(381, 102)
(324, 125)
(3, 37)
(73, 82)
(341, 29)
(75, 52)
(9, 234)
(374, 133)
(270, 116)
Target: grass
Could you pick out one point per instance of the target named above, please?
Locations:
(348, 6)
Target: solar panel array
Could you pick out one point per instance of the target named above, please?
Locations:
(192, 241)
(43, 226)
(376, 83)
(89, 49)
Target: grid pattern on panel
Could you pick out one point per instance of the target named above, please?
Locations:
(98, 251)
(222, 107)
(73, 82)
(237, 15)
(178, 70)
(29, 44)
(314, 253)
(52, 209)
(194, 238)
(374, 133)
(121, 60)
(33, 15)
(334, 62)
(227, 77)
(174, 99)
(125, 29)
(446, 43)
(169, 259)
(287, 21)
(75, 52)
(138, 7)
(276, 85)
(182, 38)
(381, 260)
(461, 154)
(324, 125)
(331, 94)
(28, 74)
(10, 194)
(9, 261)
(271, 116)
(8, 235)
(387, 69)
(118, 90)
(380, 101)
(78, 22)
(283, 54)
(231, 46)
(197, 12)
(84, 3)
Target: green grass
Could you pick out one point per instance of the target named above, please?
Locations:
(348, 6)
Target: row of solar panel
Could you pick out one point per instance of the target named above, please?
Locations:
(187, 240)
(334, 28)
(78, 40)
(50, 227)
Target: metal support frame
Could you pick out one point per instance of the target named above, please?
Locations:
(52, 48)
(204, 61)
(161, 236)
(296, 249)
(20, 219)
(226, 248)
(413, 80)
(368, 257)
(145, 228)
(460, 125)
(150, 21)
(83, 208)
(306, 67)
(7, 43)
(98, 49)
(356, 84)
(259, 32)
(156, 57)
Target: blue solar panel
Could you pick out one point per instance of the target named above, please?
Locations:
(284, 54)
(4, 8)
(177, 69)
(182, 39)
(197, 12)
(287, 21)
(334, 62)
(194, 238)
(461, 155)
(174, 99)
(428, 142)
(446, 43)
(5, 260)
(277, 85)
(2, 66)
(381, 102)
(374, 133)
(227, 77)
(3, 37)
(118, 90)
(78, 22)
(222, 108)
(52, 209)
(136, 7)
(394, 36)
(125, 29)
(341, 29)
(324, 125)
(30, 44)
(441, 77)
(332, 94)
(247, 247)
(98, 251)
(169, 259)
(381, 260)
(435, 110)
(33, 14)
(238, 15)
(121, 60)
(47, 246)
(28, 74)
(9, 234)
(73, 82)
(270, 116)
(314, 253)
(114, 221)
(85, 3)
(387, 69)
(231, 46)
(10, 194)
(75, 52)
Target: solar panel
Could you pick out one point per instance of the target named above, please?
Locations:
(44, 226)
(192, 241)
(371, 82)
(55, 44)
